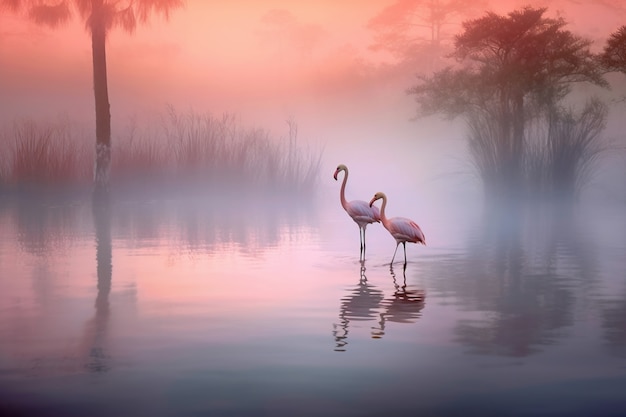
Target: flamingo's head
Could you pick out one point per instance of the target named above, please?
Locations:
(378, 196)
(340, 167)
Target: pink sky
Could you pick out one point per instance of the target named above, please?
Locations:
(210, 55)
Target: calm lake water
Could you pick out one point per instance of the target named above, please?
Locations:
(200, 307)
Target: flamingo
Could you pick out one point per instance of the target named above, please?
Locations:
(361, 212)
(402, 229)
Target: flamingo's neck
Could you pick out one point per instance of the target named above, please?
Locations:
(342, 193)
(383, 218)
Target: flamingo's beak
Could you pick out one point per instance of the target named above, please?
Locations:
(335, 175)
(372, 201)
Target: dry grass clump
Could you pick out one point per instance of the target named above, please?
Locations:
(564, 152)
(44, 154)
(184, 150)
(203, 150)
(560, 155)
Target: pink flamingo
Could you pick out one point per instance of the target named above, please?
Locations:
(361, 212)
(402, 229)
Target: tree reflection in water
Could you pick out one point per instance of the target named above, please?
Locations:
(96, 329)
(526, 273)
(54, 235)
(614, 325)
(48, 227)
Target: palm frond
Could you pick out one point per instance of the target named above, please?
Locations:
(145, 8)
(50, 15)
(11, 5)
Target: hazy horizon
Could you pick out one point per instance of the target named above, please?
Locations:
(266, 62)
(219, 289)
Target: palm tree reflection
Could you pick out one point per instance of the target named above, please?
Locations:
(361, 304)
(46, 226)
(96, 329)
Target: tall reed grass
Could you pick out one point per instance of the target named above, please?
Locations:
(562, 148)
(182, 149)
(43, 154)
(563, 151)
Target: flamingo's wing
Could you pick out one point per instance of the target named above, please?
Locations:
(403, 229)
(362, 213)
(375, 212)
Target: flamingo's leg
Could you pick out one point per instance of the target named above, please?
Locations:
(394, 252)
(362, 245)
(364, 227)
(404, 245)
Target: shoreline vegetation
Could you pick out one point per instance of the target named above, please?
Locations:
(184, 152)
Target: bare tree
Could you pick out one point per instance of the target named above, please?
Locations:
(283, 31)
(414, 30)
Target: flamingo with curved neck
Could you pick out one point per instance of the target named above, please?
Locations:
(361, 212)
(402, 229)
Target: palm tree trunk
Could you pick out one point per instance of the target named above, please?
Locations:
(103, 115)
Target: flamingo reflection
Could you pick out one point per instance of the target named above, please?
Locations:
(361, 304)
(405, 305)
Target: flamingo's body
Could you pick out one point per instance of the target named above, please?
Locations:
(361, 212)
(402, 229)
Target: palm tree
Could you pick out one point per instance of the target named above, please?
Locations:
(99, 16)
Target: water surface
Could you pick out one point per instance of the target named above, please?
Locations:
(205, 307)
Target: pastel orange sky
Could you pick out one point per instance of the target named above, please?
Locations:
(205, 51)
(210, 55)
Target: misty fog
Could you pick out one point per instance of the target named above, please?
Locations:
(226, 276)
(269, 65)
